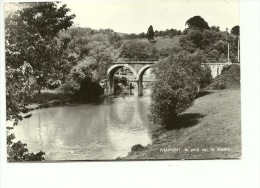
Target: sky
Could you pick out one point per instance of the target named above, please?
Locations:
(133, 16)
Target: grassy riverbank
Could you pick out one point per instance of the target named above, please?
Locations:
(213, 122)
(45, 100)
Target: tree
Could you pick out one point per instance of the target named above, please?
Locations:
(235, 30)
(31, 50)
(175, 87)
(89, 54)
(138, 50)
(32, 31)
(195, 37)
(150, 33)
(81, 83)
(215, 28)
(186, 44)
(17, 88)
(197, 22)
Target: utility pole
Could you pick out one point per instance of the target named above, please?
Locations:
(228, 52)
(238, 51)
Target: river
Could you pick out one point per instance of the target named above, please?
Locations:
(101, 131)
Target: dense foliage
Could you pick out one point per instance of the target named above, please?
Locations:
(235, 30)
(197, 22)
(167, 33)
(17, 88)
(32, 32)
(31, 51)
(138, 50)
(212, 41)
(162, 33)
(81, 83)
(88, 54)
(178, 78)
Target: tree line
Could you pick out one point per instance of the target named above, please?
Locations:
(180, 76)
(162, 33)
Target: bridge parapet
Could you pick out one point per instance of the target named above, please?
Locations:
(135, 61)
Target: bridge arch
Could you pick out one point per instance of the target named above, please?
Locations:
(140, 78)
(111, 72)
(142, 71)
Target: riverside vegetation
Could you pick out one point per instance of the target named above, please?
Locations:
(45, 50)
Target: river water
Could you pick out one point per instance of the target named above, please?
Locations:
(101, 131)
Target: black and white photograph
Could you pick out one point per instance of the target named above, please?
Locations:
(122, 80)
(130, 93)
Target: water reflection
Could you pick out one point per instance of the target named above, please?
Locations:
(88, 131)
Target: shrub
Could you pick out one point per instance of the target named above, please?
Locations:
(206, 77)
(228, 79)
(175, 87)
(137, 147)
(81, 84)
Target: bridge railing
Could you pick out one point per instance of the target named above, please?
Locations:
(139, 59)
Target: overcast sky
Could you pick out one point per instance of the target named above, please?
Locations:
(133, 16)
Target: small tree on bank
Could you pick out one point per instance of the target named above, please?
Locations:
(175, 88)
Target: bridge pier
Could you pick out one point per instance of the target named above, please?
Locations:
(140, 87)
(110, 83)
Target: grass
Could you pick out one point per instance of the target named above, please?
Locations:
(46, 99)
(163, 42)
(213, 122)
(45, 96)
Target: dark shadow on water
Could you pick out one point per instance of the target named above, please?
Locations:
(203, 93)
(186, 120)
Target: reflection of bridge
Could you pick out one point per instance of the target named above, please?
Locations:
(138, 69)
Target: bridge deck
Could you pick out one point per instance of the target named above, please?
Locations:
(134, 62)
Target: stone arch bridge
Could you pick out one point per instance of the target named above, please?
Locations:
(138, 69)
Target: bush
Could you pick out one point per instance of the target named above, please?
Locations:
(137, 147)
(206, 77)
(166, 52)
(138, 50)
(81, 84)
(175, 87)
(228, 79)
(89, 91)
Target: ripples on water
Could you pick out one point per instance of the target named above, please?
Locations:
(88, 131)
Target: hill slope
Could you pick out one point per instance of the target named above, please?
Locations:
(162, 42)
(212, 122)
